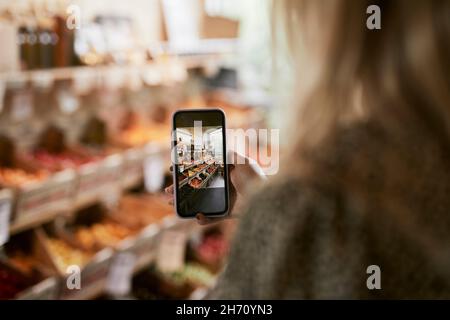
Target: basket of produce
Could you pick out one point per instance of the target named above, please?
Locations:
(23, 255)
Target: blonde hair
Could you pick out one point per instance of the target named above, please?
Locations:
(399, 75)
(398, 78)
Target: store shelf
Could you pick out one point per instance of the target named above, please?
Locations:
(108, 189)
(150, 234)
(187, 180)
(209, 177)
(165, 69)
(193, 165)
(33, 222)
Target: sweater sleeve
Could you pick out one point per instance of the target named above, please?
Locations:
(288, 246)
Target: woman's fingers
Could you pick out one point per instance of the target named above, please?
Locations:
(204, 220)
(169, 195)
(169, 189)
(201, 219)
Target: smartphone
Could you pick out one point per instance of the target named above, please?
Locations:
(200, 171)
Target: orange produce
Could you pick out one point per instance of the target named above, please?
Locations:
(19, 177)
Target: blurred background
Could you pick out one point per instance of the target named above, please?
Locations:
(87, 89)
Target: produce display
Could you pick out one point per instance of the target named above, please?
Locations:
(197, 169)
(106, 234)
(23, 262)
(211, 169)
(181, 176)
(140, 211)
(191, 173)
(153, 284)
(212, 250)
(65, 255)
(140, 135)
(195, 183)
(79, 146)
(61, 161)
(137, 136)
(11, 282)
(194, 274)
(19, 177)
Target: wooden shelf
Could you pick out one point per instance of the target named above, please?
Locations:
(34, 220)
(157, 72)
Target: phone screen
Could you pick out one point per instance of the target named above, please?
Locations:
(200, 169)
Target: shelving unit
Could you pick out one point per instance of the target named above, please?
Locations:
(189, 179)
(128, 91)
(102, 192)
(166, 69)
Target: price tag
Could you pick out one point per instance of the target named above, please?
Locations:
(154, 173)
(120, 274)
(5, 214)
(111, 197)
(171, 251)
(43, 80)
(22, 106)
(68, 102)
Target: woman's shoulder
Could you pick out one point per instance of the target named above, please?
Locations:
(354, 156)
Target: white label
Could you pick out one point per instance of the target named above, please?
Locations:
(5, 214)
(22, 106)
(43, 80)
(182, 23)
(111, 197)
(68, 102)
(171, 251)
(153, 173)
(120, 274)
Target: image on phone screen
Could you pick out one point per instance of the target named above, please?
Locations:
(200, 171)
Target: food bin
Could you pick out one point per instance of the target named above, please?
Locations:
(145, 213)
(93, 229)
(47, 289)
(99, 180)
(139, 211)
(7, 198)
(41, 200)
(94, 266)
(22, 254)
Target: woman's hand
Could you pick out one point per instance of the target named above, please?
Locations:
(242, 175)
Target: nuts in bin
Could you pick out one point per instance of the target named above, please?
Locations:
(18, 177)
(101, 234)
(65, 255)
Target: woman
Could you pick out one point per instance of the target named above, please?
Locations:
(368, 179)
